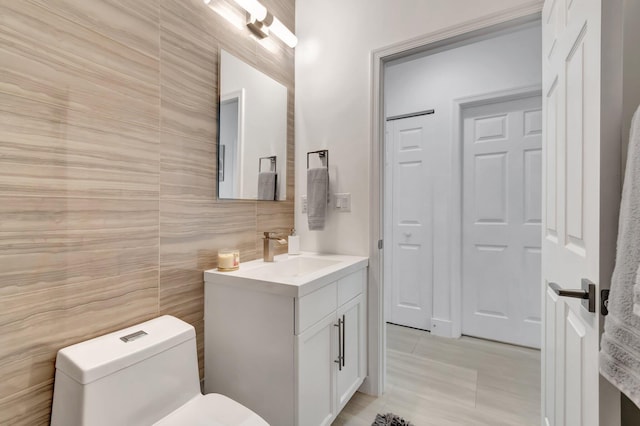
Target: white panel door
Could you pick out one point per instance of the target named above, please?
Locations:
(501, 221)
(411, 268)
(576, 221)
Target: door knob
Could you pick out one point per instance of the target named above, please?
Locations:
(587, 293)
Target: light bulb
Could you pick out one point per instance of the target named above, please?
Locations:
(254, 8)
(283, 32)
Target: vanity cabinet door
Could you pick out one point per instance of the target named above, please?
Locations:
(316, 350)
(351, 373)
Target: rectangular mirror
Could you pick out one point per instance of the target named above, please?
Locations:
(252, 133)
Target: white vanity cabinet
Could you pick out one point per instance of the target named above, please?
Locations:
(294, 358)
(330, 354)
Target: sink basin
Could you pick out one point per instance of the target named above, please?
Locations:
(295, 267)
(289, 275)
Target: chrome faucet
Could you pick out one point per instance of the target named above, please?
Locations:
(267, 253)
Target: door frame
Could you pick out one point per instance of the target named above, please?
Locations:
(483, 26)
(457, 151)
(239, 96)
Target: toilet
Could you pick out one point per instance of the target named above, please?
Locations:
(143, 375)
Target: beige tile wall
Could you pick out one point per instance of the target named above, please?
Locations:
(108, 210)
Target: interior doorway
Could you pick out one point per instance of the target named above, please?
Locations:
(426, 95)
(446, 319)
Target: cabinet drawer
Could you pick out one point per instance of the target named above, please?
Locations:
(351, 286)
(314, 306)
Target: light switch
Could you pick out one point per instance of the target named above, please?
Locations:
(304, 204)
(343, 202)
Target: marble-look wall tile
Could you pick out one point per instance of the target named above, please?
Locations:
(54, 242)
(291, 157)
(50, 150)
(189, 69)
(284, 10)
(108, 210)
(199, 326)
(46, 58)
(188, 167)
(31, 407)
(35, 324)
(132, 23)
(191, 233)
(204, 226)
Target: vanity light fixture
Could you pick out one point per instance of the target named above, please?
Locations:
(262, 23)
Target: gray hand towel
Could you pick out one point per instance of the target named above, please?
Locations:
(317, 197)
(267, 185)
(620, 344)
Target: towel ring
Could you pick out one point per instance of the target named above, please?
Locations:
(272, 164)
(323, 154)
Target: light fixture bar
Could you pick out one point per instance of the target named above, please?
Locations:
(283, 32)
(262, 23)
(253, 7)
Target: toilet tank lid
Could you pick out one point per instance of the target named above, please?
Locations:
(93, 359)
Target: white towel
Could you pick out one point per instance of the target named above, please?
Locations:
(317, 197)
(267, 182)
(620, 345)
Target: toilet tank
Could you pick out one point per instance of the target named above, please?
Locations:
(134, 376)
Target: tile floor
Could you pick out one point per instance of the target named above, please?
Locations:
(437, 381)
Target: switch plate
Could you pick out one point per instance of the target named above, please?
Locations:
(343, 202)
(304, 204)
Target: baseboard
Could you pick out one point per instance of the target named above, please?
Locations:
(367, 388)
(443, 328)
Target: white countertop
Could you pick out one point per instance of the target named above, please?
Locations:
(287, 276)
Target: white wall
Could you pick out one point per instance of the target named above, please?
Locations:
(333, 94)
(434, 81)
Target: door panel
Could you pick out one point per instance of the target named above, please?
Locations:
(549, 354)
(550, 167)
(531, 288)
(409, 151)
(315, 354)
(532, 188)
(349, 377)
(501, 220)
(573, 190)
(574, 147)
(490, 175)
(575, 333)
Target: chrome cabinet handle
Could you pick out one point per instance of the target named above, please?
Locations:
(340, 340)
(344, 347)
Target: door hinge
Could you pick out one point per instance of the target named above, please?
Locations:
(379, 244)
(604, 302)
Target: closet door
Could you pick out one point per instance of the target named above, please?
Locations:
(501, 221)
(409, 173)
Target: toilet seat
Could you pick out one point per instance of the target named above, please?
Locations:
(212, 409)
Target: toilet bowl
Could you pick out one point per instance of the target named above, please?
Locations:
(143, 375)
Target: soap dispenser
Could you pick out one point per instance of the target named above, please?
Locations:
(294, 242)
